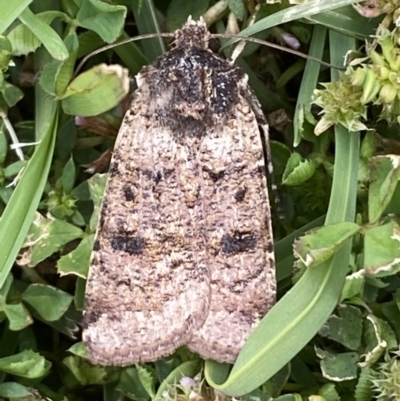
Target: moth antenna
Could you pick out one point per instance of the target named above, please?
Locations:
(122, 42)
(213, 35)
(278, 47)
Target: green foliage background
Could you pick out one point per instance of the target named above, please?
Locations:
(334, 333)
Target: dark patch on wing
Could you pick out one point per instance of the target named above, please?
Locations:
(91, 317)
(103, 211)
(96, 245)
(128, 193)
(131, 245)
(113, 170)
(238, 242)
(213, 175)
(157, 176)
(126, 283)
(240, 194)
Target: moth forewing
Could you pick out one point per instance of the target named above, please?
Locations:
(184, 249)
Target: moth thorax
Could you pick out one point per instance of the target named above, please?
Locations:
(192, 34)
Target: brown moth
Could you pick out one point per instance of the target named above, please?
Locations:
(184, 249)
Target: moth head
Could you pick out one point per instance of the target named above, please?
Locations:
(192, 34)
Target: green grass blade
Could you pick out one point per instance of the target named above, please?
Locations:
(297, 12)
(298, 316)
(347, 21)
(18, 215)
(308, 82)
(9, 11)
(146, 21)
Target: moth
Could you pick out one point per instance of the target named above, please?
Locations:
(184, 251)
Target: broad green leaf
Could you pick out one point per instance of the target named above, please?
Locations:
(50, 302)
(353, 286)
(27, 364)
(107, 20)
(338, 367)
(385, 176)
(391, 313)
(18, 316)
(95, 91)
(77, 261)
(147, 378)
(346, 328)
(88, 42)
(69, 176)
(298, 170)
(12, 94)
(131, 385)
(321, 244)
(368, 145)
(84, 371)
(46, 236)
(13, 169)
(379, 337)
(79, 349)
(13, 390)
(382, 250)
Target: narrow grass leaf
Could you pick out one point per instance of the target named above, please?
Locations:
(347, 21)
(147, 22)
(308, 83)
(19, 212)
(293, 13)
